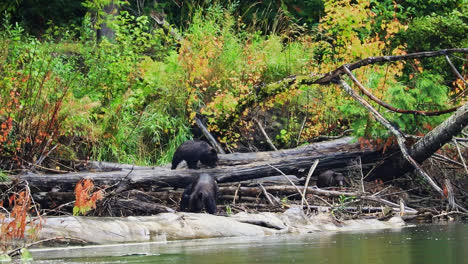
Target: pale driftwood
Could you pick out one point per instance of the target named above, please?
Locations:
(112, 166)
(180, 226)
(333, 154)
(325, 148)
(450, 194)
(364, 209)
(407, 209)
(306, 184)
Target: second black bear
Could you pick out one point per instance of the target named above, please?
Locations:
(201, 193)
(193, 151)
(330, 178)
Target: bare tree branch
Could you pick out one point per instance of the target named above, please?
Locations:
(329, 77)
(391, 108)
(399, 136)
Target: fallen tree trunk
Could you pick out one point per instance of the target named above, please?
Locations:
(397, 165)
(332, 155)
(178, 226)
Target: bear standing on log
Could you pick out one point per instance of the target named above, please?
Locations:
(201, 193)
(193, 151)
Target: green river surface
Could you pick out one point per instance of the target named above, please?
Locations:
(425, 244)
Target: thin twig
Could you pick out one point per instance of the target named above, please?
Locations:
(460, 154)
(311, 171)
(333, 75)
(384, 189)
(323, 200)
(292, 183)
(235, 194)
(459, 76)
(267, 195)
(449, 213)
(362, 175)
(56, 209)
(17, 251)
(6, 211)
(388, 203)
(44, 168)
(41, 159)
(443, 158)
(265, 134)
(302, 129)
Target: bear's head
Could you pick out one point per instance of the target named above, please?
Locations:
(339, 179)
(196, 203)
(209, 158)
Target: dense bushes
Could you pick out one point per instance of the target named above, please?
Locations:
(133, 99)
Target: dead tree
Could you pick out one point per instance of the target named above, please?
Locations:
(233, 168)
(405, 160)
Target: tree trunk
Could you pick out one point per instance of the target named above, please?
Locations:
(232, 168)
(104, 31)
(397, 165)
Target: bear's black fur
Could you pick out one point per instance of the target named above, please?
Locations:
(330, 178)
(193, 151)
(201, 193)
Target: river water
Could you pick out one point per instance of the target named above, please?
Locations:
(427, 244)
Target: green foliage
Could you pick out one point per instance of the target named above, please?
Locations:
(26, 255)
(424, 33)
(5, 258)
(3, 176)
(132, 99)
(424, 92)
(338, 210)
(420, 8)
(228, 210)
(35, 84)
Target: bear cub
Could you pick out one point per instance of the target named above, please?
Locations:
(201, 193)
(330, 178)
(193, 151)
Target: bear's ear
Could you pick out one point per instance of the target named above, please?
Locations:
(212, 150)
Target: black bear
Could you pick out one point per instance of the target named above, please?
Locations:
(201, 193)
(330, 178)
(193, 151)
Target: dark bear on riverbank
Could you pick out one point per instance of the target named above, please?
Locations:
(201, 193)
(193, 151)
(330, 178)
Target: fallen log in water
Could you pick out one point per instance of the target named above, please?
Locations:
(176, 226)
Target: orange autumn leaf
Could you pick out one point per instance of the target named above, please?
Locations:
(85, 200)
